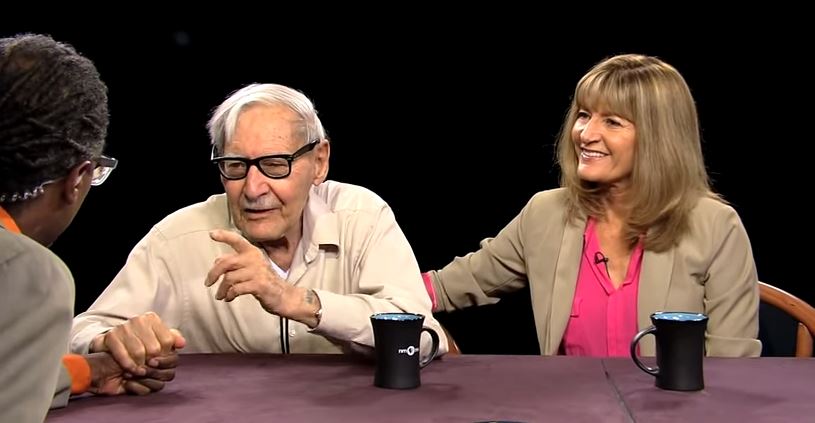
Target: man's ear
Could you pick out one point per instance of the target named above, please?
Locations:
(322, 153)
(75, 182)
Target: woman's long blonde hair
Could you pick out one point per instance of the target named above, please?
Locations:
(669, 173)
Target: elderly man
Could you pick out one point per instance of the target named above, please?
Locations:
(285, 262)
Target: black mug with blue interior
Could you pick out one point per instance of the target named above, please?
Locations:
(680, 349)
(398, 358)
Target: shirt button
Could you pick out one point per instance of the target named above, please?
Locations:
(292, 332)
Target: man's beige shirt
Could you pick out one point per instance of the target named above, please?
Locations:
(352, 253)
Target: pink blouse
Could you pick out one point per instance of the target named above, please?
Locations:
(603, 319)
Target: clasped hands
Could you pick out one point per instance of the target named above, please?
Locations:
(141, 356)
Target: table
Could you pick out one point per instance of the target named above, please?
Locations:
(314, 388)
(465, 388)
(744, 390)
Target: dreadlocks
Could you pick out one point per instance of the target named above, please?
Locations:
(53, 113)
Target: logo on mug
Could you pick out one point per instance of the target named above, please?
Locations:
(409, 350)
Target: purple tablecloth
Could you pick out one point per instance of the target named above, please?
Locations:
(273, 388)
(736, 390)
(468, 388)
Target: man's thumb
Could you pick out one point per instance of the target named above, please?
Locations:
(180, 342)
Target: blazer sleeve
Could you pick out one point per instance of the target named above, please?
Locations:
(498, 267)
(731, 291)
(35, 316)
(62, 393)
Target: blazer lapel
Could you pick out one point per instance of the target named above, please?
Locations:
(654, 284)
(568, 265)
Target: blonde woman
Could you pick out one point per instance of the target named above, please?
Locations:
(635, 227)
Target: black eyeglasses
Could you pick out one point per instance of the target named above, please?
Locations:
(275, 166)
(104, 166)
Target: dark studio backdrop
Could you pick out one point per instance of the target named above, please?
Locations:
(454, 131)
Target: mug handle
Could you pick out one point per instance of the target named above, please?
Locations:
(434, 337)
(653, 371)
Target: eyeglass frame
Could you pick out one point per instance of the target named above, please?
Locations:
(107, 164)
(256, 161)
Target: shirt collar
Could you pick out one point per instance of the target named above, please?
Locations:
(8, 222)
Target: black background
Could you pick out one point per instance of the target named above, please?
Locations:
(452, 123)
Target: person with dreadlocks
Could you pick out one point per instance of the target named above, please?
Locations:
(53, 124)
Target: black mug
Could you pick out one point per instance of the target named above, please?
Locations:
(397, 339)
(680, 341)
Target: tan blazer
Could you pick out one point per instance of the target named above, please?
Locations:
(36, 307)
(711, 270)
